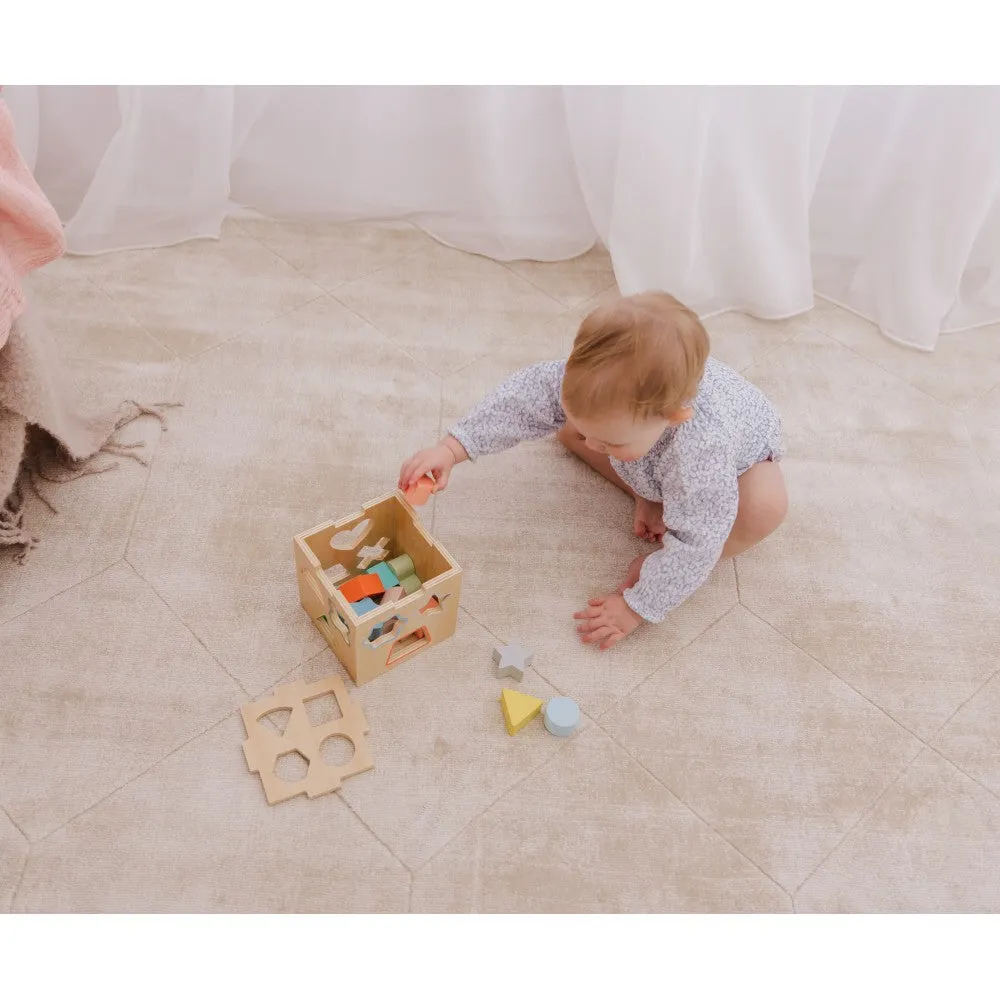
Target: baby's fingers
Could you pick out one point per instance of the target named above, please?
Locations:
(613, 639)
(406, 472)
(592, 624)
(598, 634)
(418, 467)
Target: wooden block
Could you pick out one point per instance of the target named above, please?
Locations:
(392, 595)
(384, 572)
(263, 746)
(363, 606)
(420, 492)
(518, 709)
(562, 716)
(410, 584)
(511, 660)
(361, 587)
(402, 566)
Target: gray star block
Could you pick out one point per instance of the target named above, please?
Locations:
(511, 660)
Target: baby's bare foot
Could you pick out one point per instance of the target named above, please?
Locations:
(648, 523)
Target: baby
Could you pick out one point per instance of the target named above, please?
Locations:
(641, 402)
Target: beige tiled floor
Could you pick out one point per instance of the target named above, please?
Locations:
(814, 730)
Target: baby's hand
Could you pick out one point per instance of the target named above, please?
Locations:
(648, 521)
(438, 460)
(607, 620)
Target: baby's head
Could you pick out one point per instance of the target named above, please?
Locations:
(636, 364)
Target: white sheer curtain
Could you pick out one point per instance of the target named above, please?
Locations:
(886, 200)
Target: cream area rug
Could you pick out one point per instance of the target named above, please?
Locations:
(815, 730)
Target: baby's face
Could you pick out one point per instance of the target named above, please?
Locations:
(620, 435)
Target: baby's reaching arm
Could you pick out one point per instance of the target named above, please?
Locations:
(523, 407)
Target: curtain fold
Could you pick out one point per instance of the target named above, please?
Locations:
(885, 199)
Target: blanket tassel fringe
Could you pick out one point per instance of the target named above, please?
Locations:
(45, 460)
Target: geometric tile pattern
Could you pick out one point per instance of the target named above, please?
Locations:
(814, 730)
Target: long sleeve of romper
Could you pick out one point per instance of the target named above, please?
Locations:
(700, 501)
(524, 407)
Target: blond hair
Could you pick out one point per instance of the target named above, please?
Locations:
(644, 354)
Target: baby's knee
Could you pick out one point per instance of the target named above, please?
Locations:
(763, 501)
(775, 502)
(772, 509)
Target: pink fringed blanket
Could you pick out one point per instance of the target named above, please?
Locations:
(44, 432)
(30, 231)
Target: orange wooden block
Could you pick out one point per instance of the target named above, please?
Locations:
(420, 492)
(361, 587)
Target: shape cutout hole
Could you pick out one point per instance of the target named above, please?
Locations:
(409, 644)
(277, 719)
(348, 541)
(322, 708)
(385, 630)
(369, 554)
(291, 767)
(337, 750)
(432, 607)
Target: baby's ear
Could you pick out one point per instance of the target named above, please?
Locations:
(680, 416)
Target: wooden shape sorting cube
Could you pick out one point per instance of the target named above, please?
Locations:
(421, 623)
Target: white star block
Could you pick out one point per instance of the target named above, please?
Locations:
(511, 660)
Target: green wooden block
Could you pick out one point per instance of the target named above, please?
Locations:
(402, 566)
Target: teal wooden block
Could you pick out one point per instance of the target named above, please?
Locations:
(562, 716)
(384, 572)
(363, 606)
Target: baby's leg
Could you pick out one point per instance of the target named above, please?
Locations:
(763, 506)
(648, 522)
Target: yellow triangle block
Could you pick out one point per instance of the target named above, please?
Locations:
(518, 709)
